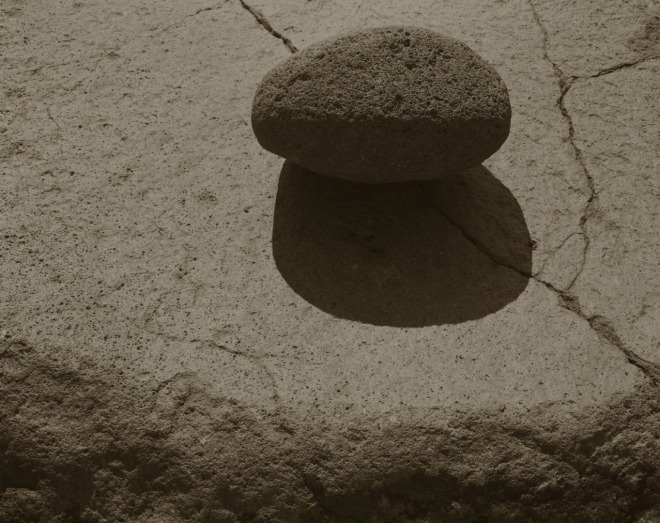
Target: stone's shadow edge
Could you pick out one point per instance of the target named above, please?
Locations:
(404, 254)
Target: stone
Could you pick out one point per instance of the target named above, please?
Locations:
(385, 104)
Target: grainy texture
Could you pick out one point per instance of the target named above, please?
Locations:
(389, 104)
(161, 360)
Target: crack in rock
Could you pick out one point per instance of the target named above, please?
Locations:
(597, 323)
(474, 241)
(213, 7)
(50, 117)
(606, 330)
(145, 323)
(568, 301)
(317, 491)
(565, 84)
(256, 360)
(625, 65)
(263, 22)
(113, 52)
(556, 251)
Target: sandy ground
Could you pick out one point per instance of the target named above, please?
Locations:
(187, 326)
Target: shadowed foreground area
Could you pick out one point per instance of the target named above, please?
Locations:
(406, 254)
(172, 452)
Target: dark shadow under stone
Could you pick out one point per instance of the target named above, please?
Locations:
(406, 254)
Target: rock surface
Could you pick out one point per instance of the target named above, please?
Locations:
(387, 104)
(163, 360)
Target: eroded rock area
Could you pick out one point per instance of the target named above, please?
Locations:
(166, 356)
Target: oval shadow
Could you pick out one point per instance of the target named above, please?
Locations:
(407, 254)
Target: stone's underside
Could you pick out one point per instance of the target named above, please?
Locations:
(192, 330)
(383, 105)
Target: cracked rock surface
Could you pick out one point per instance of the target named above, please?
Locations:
(166, 355)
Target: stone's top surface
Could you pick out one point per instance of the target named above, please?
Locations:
(381, 74)
(383, 104)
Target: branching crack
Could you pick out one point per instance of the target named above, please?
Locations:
(474, 241)
(565, 83)
(263, 22)
(566, 300)
(570, 302)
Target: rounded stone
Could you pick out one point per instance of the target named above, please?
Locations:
(385, 104)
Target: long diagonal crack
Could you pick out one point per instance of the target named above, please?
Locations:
(263, 22)
(558, 249)
(600, 325)
(473, 240)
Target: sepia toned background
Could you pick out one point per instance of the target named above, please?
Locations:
(192, 330)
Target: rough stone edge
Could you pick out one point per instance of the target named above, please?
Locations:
(89, 444)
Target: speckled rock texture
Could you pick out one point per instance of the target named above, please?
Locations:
(386, 104)
(193, 330)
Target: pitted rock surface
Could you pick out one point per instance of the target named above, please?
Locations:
(383, 105)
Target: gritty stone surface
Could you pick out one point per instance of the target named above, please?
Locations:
(162, 358)
(621, 264)
(388, 104)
